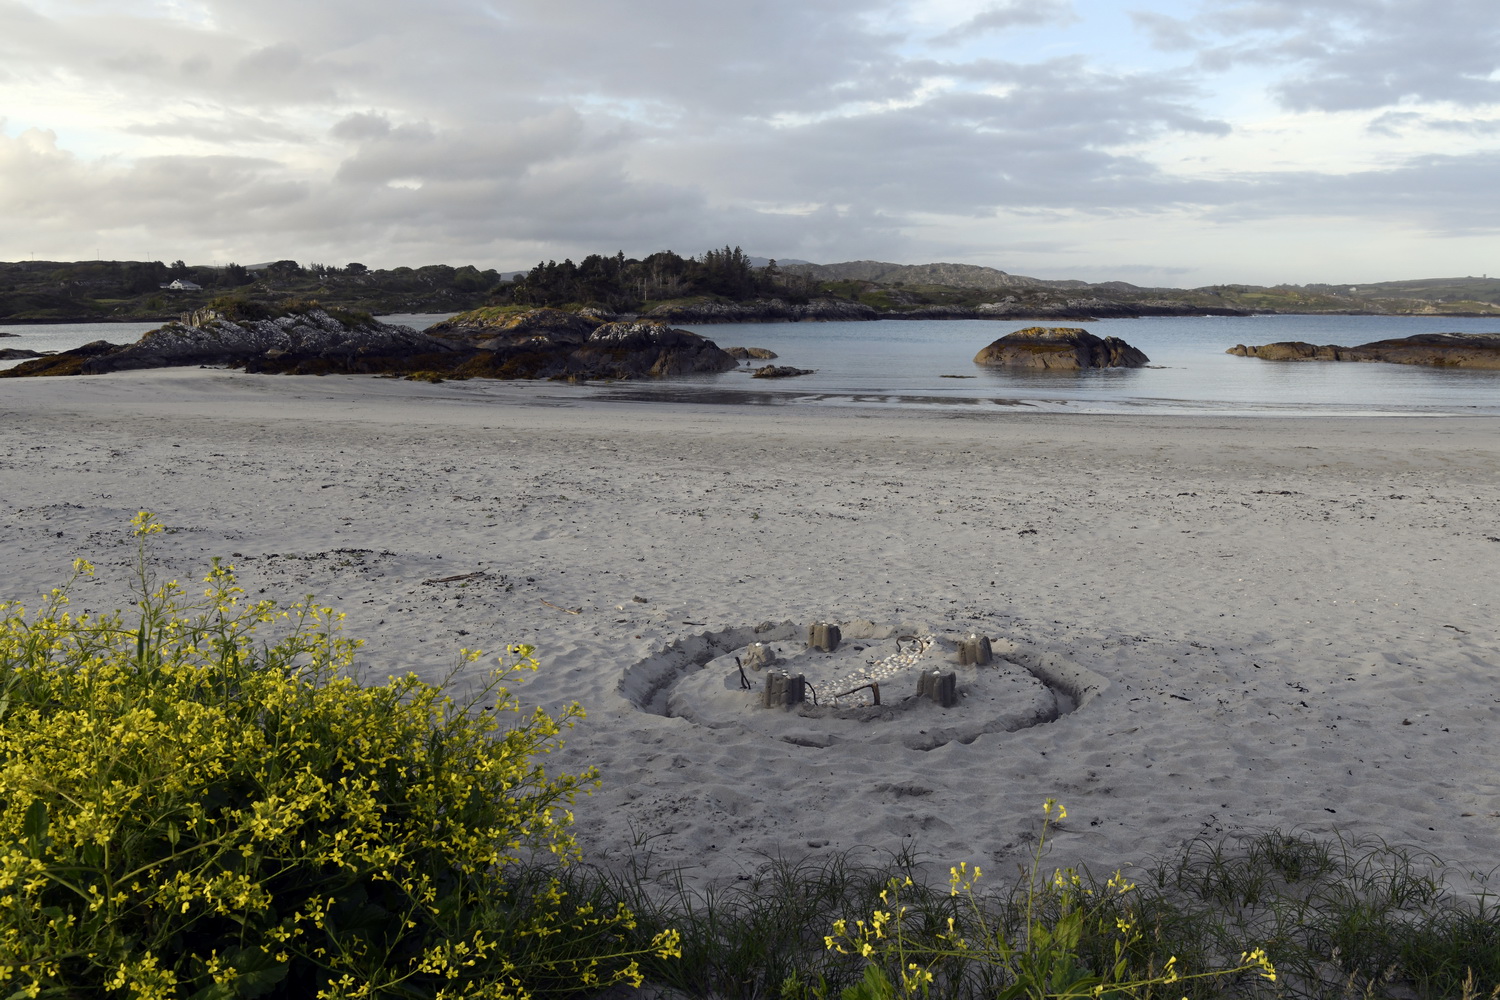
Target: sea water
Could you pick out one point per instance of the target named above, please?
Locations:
(913, 363)
(928, 364)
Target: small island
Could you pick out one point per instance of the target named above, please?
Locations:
(1451, 350)
(305, 339)
(1059, 348)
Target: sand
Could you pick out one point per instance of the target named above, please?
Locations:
(1248, 624)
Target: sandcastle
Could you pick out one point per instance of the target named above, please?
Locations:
(824, 683)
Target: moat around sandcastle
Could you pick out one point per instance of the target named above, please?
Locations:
(824, 683)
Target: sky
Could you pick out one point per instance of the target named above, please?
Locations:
(1163, 142)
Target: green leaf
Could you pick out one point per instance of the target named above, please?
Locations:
(34, 827)
(875, 986)
(258, 972)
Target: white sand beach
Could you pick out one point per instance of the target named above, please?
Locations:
(1257, 623)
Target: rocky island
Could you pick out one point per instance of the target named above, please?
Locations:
(304, 339)
(1455, 350)
(1059, 348)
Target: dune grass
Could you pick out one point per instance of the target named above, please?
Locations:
(188, 810)
(1335, 919)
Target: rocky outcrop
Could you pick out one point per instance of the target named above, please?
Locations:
(644, 347)
(1454, 350)
(1059, 348)
(1287, 350)
(305, 341)
(550, 343)
(534, 344)
(17, 354)
(779, 371)
(762, 311)
(63, 362)
(746, 353)
(492, 329)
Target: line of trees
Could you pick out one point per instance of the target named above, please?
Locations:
(84, 290)
(623, 283)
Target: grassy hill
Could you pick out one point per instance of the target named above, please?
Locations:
(53, 291)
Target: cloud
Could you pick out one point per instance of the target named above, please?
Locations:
(1009, 14)
(1398, 123)
(512, 130)
(1165, 32)
(1353, 54)
(218, 128)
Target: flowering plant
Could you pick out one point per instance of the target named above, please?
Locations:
(189, 811)
(1054, 954)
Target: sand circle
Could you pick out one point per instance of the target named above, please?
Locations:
(866, 689)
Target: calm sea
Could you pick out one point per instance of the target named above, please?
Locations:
(898, 363)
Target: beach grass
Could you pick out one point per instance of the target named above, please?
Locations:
(189, 810)
(1336, 918)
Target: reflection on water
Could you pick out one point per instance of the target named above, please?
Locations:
(913, 362)
(928, 365)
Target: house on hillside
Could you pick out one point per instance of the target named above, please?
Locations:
(183, 285)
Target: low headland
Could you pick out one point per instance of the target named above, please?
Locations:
(719, 286)
(1443, 350)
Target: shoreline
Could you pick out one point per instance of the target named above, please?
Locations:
(1290, 614)
(934, 313)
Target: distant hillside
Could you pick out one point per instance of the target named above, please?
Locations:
(81, 291)
(1470, 289)
(725, 285)
(951, 275)
(903, 287)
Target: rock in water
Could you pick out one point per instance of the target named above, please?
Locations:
(303, 341)
(779, 371)
(646, 347)
(63, 362)
(495, 329)
(1062, 348)
(307, 340)
(1455, 350)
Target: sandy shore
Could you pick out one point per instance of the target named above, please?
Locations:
(1263, 623)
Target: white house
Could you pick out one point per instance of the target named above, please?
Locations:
(183, 285)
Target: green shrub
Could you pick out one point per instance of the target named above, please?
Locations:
(234, 307)
(1066, 939)
(188, 810)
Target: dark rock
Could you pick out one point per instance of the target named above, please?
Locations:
(1454, 350)
(4, 333)
(779, 371)
(17, 353)
(63, 362)
(644, 347)
(1059, 348)
(742, 353)
(1285, 350)
(535, 344)
(490, 330)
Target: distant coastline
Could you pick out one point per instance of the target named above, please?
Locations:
(721, 286)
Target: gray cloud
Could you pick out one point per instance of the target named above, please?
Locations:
(514, 130)
(1171, 34)
(1396, 123)
(1352, 54)
(226, 128)
(1010, 14)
